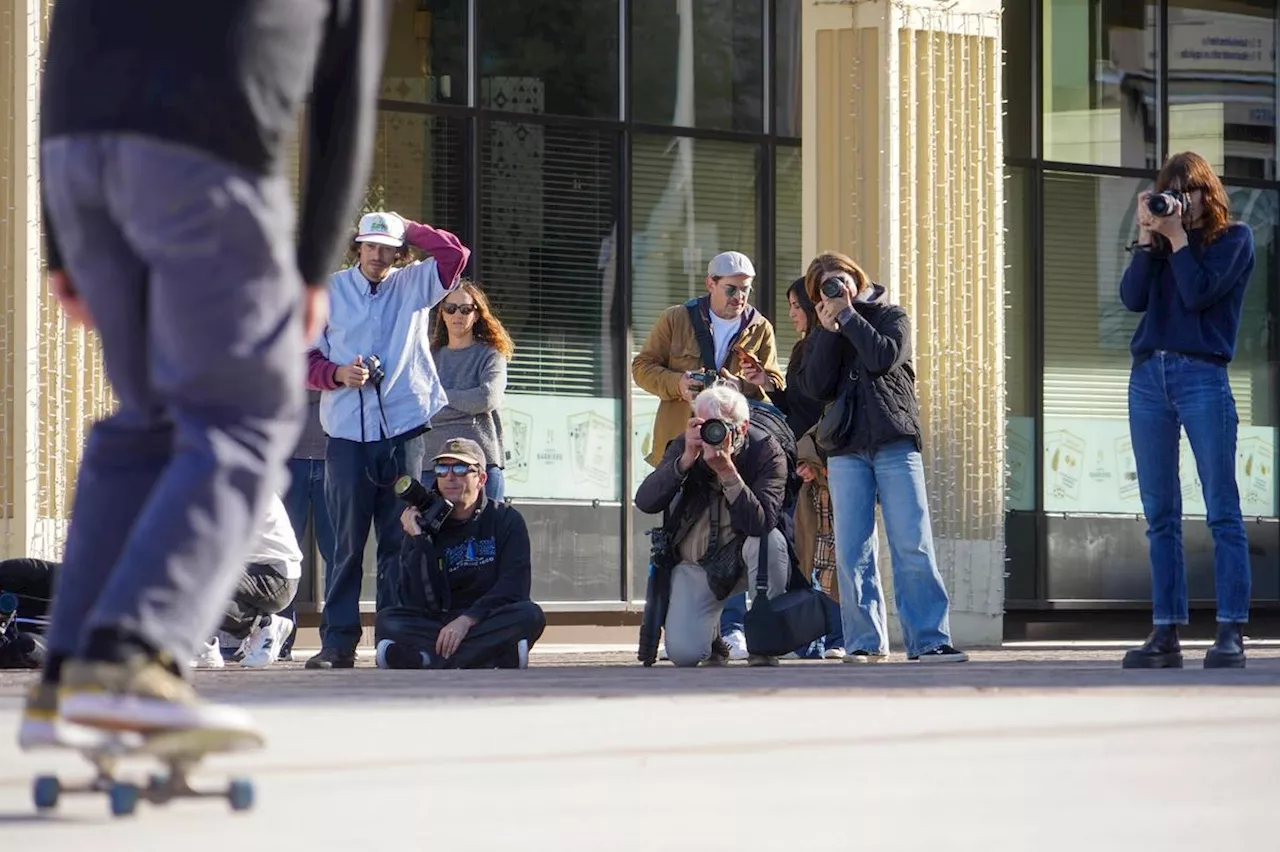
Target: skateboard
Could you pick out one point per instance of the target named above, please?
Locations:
(179, 752)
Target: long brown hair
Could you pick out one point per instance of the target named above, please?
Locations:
(487, 328)
(827, 263)
(1192, 171)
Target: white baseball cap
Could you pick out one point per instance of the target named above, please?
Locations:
(730, 263)
(384, 229)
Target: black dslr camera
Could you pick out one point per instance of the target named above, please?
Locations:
(834, 287)
(713, 432)
(705, 378)
(1166, 203)
(376, 372)
(432, 507)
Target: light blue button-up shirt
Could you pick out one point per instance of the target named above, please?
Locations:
(391, 323)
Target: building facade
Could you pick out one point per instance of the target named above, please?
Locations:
(982, 164)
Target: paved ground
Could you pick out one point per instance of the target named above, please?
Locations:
(1026, 750)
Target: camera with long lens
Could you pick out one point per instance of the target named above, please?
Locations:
(1166, 203)
(705, 378)
(376, 372)
(713, 432)
(432, 506)
(833, 288)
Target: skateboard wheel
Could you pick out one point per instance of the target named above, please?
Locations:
(46, 791)
(124, 799)
(240, 794)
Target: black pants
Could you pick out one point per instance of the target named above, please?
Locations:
(32, 581)
(261, 590)
(490, 644)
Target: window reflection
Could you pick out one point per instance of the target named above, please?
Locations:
(426, 58)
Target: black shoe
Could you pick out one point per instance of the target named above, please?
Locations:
(719, 653)
(941, 654)
(1227, 651)
(1162, 650)
(329, 658)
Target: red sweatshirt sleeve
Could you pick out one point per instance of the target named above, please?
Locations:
(450, 254)
(321, 372)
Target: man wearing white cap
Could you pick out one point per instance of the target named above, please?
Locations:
(672, 364)
(380, 391)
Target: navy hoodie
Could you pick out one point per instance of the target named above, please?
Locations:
(1190, 301)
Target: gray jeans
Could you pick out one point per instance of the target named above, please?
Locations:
(262, 590)
(187, 267)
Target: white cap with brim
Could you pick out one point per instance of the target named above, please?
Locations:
(384, 229)
(728, 264)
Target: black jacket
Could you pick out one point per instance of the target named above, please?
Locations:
(473, 567)
(754, 512)
(801, 411)
(228, 78)
(871, 356)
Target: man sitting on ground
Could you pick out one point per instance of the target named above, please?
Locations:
(462, 594)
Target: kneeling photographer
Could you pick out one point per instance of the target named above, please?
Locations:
(462, 593)
(722, 487)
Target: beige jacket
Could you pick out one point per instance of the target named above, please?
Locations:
(671, 350)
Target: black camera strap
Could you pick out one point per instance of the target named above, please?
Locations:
(702, 332)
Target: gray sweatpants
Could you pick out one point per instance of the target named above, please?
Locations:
(187, 267)
(693, 616)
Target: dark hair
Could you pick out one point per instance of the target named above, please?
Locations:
(487, 328)
(353, 254)
(1193, 171)
(798, 290)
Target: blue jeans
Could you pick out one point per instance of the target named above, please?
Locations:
(1169, 392)
(358, 491)
(495, 487)
(895, 474)
(305, 501)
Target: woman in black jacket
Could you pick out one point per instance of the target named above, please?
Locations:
(801, 411)
(860, 361)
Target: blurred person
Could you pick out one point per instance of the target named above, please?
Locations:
(169, 230)
(1190, 268)
(863, 351)
(471, 350)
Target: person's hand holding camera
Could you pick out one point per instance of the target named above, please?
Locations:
(409, 521)
(1146, 219)
(719, 458)
(837, 294)
(353, 375)
(690, 387)
(692, 445)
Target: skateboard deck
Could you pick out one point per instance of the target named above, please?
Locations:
(179, 752)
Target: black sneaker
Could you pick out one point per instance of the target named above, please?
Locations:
(861, 656)
(941, 654)
(330, 658)
(398, 655)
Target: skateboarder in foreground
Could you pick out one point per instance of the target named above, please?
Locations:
(170, 231)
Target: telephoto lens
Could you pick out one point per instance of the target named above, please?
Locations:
(713, 432)
(412, 492)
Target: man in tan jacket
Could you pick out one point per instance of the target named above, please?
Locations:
(745, 350)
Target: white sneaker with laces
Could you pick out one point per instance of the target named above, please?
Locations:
(833, 654)
(737, 643)
(210, 656)
(266, 640)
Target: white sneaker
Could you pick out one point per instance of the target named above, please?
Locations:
(210, 656)
(265, 642)
(522, 650)
(232, 648)
(833, 654)
(737, 645)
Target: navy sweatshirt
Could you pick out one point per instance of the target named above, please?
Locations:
(228, 77)
(1191, 300)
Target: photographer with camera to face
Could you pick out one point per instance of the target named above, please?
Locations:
(1191, 265)
(722, 487)
(380, 391)
(462, 589)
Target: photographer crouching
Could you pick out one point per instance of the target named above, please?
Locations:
(462, 593)
(722, 489)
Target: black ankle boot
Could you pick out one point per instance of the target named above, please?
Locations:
(1162, 650)
(1227, 651)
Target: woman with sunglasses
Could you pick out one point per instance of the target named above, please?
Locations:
(471, 349)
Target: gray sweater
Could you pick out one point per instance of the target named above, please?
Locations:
(475, 379)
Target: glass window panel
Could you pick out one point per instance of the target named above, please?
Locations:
(698, 63)
(426, 58)
(550, 56)
(1099, 89)
(1019, 46)
(786, 69)
(690, 199)
(1222, 84)
(549, 208)
(789, 263)
(1020, 343)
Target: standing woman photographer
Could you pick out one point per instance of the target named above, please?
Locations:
(471, 349)
(1188, 275)
(860, 362)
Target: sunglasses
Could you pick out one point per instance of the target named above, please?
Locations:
(457, 469)
(732, 290)
(467, 310)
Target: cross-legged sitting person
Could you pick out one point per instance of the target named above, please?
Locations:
(252, 623)
(722, 484)
(462, 595)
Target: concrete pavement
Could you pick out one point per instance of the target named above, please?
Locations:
(1027, 750)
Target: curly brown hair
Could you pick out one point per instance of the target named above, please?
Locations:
(827, 263)
(1192, 171)
(488, 329)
